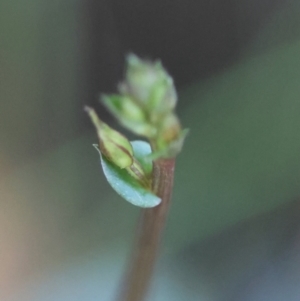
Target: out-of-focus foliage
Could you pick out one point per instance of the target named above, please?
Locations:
(39, 77)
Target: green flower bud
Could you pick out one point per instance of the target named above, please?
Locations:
(171, 149)
(124, 107)
(175, 146)
(129, 114)
(169, 128)
(117, 149)
(113, 145)
(150, 85)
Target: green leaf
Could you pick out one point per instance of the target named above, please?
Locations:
(126, 186)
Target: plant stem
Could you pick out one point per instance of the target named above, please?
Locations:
(149, 233)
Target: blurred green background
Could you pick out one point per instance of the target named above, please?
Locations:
(64, 234)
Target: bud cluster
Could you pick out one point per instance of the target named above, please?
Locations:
(145, 105)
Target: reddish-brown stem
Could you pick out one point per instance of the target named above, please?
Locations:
(149, 235)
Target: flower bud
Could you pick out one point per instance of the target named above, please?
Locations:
(129, 114)
(113, 145)
(117, 149)
(150, 85)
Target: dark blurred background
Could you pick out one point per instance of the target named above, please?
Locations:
(236, 66)
(58, 56)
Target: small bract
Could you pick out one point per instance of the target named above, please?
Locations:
(124, 184)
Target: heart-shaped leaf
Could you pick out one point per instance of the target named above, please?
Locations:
(126, 186)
